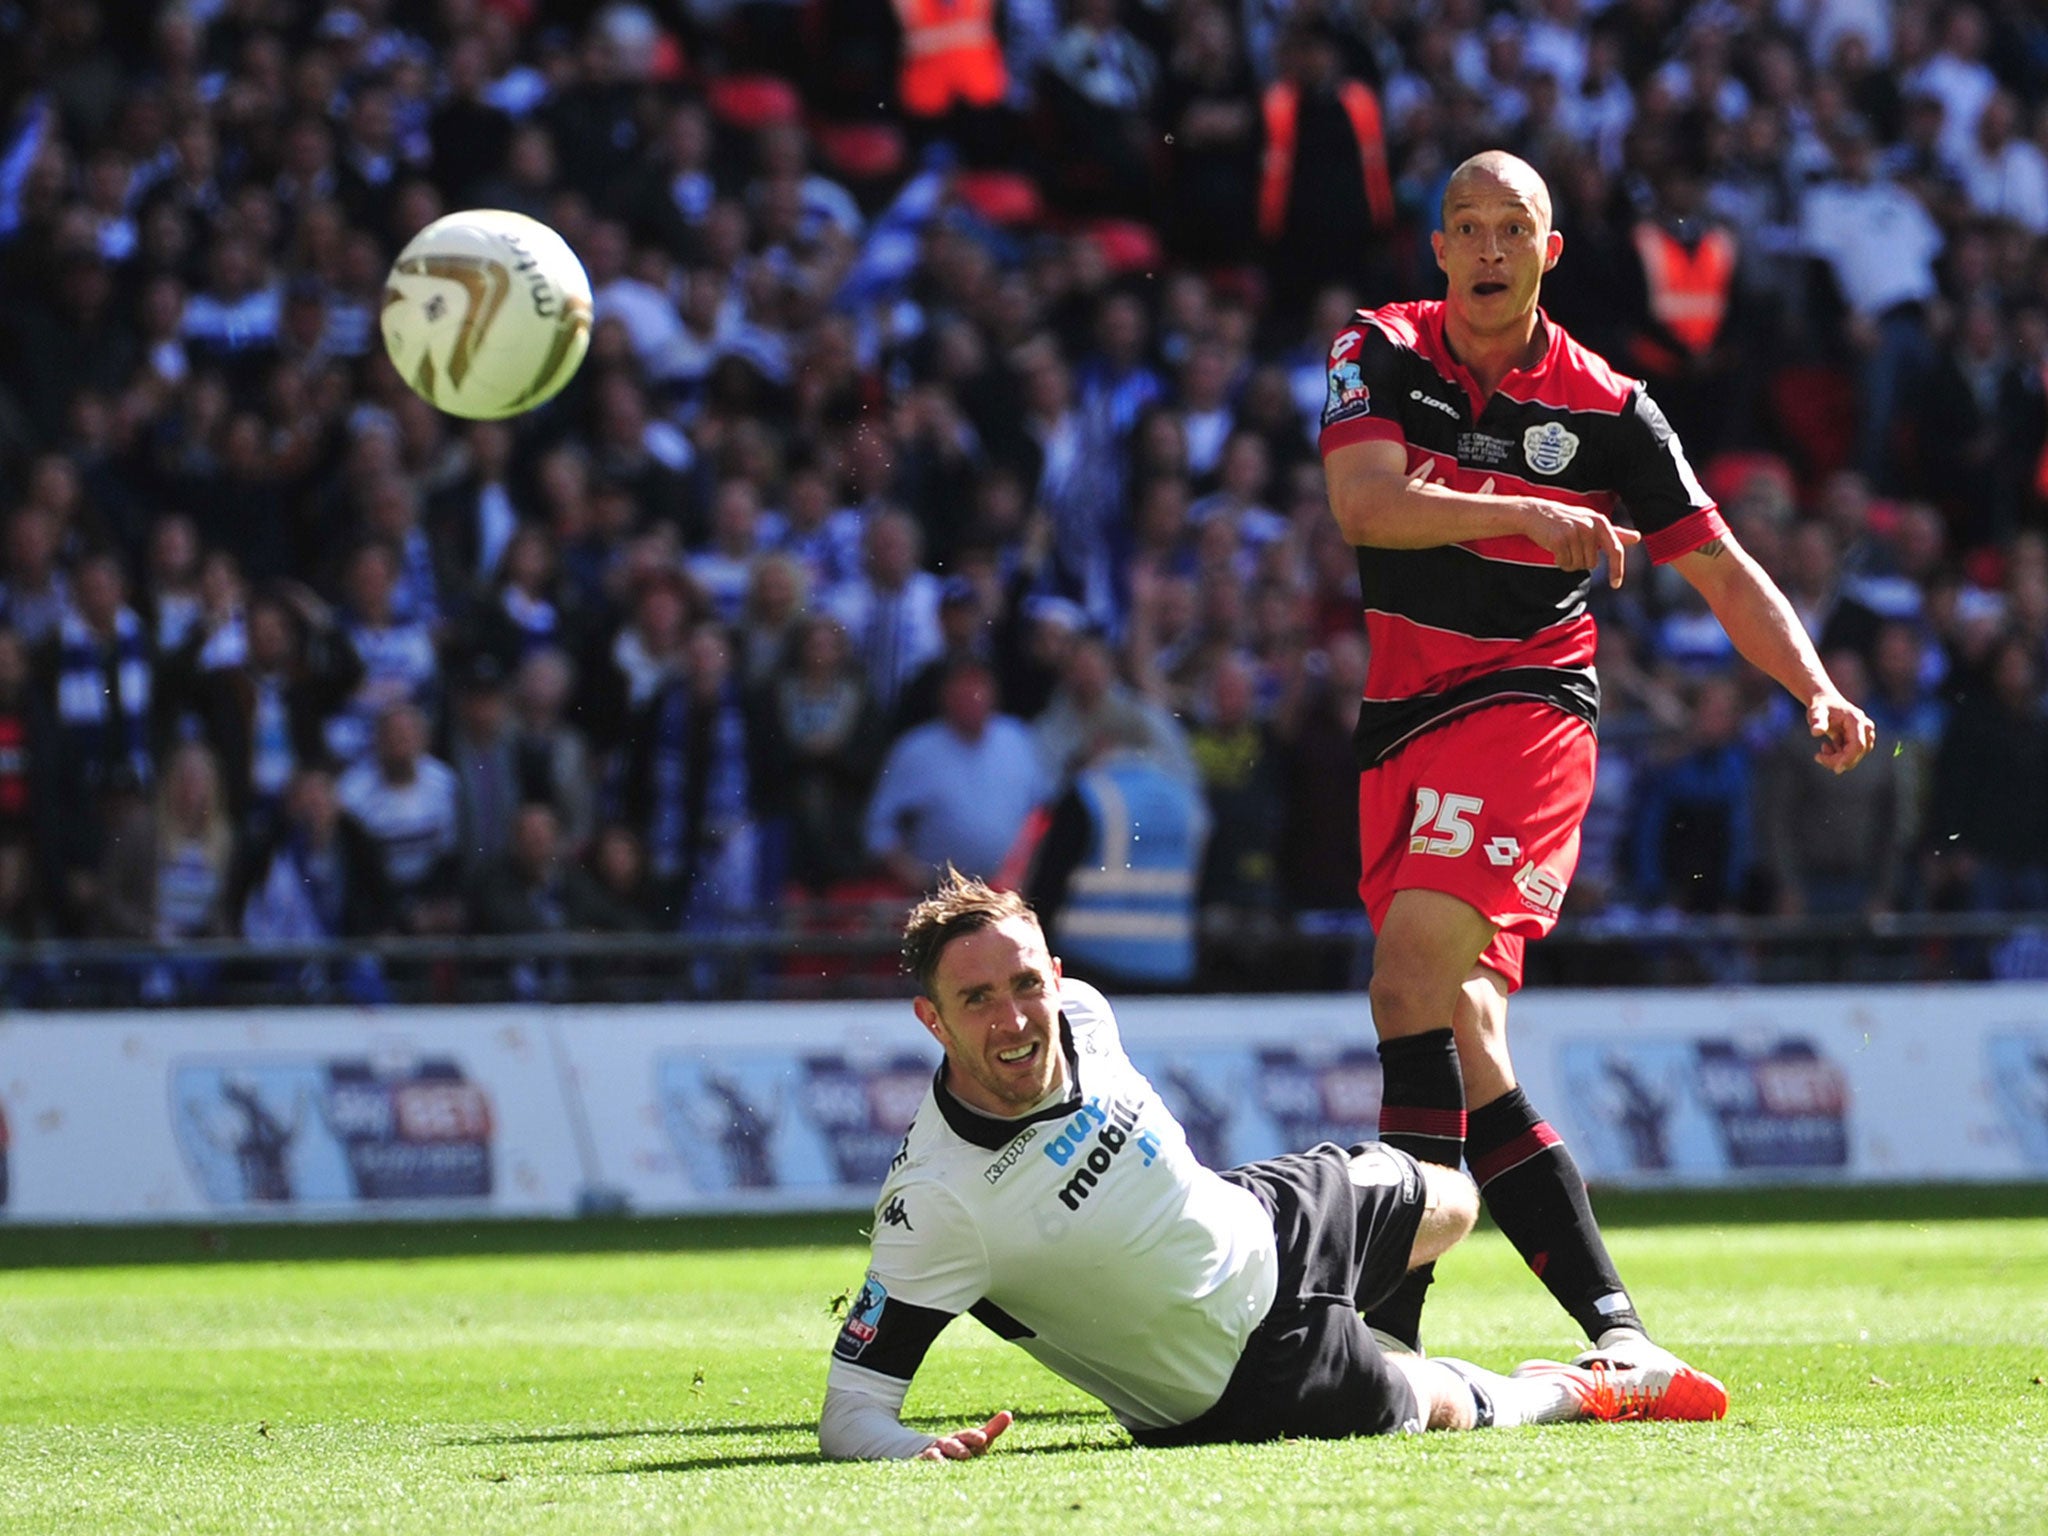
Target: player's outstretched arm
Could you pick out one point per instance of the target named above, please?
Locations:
(860, 1421)
(968, 1443)
(1379, 503)
(1766, 630)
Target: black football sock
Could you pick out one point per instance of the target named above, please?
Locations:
(1536, 1195)
(1422, 1113)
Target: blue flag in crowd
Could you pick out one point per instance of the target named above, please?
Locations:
(22, 148)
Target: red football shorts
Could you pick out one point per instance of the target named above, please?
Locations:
(1485, 808)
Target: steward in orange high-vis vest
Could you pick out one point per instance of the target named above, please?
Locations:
(951, 57)
(1689, 283)
(1282, 108)
(1325, 199)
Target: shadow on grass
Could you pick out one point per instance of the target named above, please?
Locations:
(1078, 1417)
(575, 1436)
(718, 1461)
(266, 1243)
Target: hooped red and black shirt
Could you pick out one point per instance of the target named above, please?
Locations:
(1464, 625)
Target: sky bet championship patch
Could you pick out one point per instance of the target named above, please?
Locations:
(863, 1318)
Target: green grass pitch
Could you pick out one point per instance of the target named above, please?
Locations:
(1887, 1353)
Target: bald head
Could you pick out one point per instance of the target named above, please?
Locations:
(1491, 173)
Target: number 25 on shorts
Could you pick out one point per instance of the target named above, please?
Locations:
(1448, 817)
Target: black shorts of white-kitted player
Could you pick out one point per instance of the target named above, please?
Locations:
(1346, 1224)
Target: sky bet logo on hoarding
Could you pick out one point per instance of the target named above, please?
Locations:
(860, 1109)
(263, 1131)
(1709, 1106)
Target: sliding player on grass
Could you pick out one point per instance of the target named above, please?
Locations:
(1047, 1190)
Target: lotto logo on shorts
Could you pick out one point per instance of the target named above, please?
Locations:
(1539, 888)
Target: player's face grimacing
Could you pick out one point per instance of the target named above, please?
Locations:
(1494, 248)
(995, 1007)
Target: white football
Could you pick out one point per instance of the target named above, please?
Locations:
(486, 313)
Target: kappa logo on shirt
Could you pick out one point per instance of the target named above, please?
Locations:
(1011, 1154)
(893, 1215)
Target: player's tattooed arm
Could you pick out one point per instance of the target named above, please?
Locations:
(1713, 549)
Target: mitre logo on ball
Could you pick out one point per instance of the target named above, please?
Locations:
(486, 314)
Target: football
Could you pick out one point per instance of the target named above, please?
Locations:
(486, 313)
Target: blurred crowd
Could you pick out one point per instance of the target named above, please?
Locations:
(946, 429)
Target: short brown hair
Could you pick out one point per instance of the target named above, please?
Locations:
(961, 904)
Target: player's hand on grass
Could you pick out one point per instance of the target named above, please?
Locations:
(968, 1443)
(1844, 731)
(1578, 538)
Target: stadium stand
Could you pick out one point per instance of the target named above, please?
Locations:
(1028, 378)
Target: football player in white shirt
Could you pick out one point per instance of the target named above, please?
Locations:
(1046, 1189)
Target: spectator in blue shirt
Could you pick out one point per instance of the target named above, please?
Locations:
(1693, 821)
(957, 789)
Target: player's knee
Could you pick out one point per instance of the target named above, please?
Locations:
(1453, 1195)
(1406, 999)
(1451, 1209)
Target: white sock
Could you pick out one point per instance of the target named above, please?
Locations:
(1517, 1400)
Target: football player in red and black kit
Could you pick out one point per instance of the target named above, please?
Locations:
(1477, 457)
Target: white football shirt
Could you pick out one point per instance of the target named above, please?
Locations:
(1086, 1232)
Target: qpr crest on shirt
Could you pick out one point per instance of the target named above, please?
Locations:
(1549, 448)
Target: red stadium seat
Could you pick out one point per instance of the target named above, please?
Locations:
(1815, 408)
(860, 151)
(752, 102)
(1001, 197)
(1128, 246)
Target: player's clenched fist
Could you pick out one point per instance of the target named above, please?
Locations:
(1578, 538)
(1844, 731)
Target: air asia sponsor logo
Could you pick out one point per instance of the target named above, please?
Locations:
(1484, 452)
(1315, 1099)
(1540, 888)
(262, 1132)
(1430, 400)
(2016, 1065)
(1010, 1155)
(1093, 1140)
(1709, 1106)
(1549, 448)
(863, 1320)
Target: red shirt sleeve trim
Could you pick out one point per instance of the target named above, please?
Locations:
(1683, 536)
(1360, 429)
